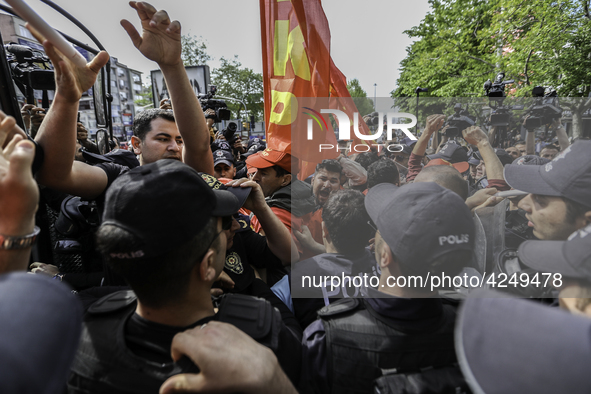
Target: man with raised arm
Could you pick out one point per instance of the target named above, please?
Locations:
(182, 137)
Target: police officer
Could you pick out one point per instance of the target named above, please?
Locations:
(247, 250)
(423, 229)
(163, 231)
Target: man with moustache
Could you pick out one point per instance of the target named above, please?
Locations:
(327, 179)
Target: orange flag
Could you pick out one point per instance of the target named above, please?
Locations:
(299, 77)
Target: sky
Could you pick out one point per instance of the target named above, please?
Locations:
(367, 39)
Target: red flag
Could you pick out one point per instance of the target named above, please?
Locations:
(297, 69)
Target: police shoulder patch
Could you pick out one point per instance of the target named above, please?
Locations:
(234, 263)
(211, 181)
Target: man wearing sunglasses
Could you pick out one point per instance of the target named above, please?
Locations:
(170, 256)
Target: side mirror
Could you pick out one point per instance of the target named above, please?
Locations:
(102, 141)
(99, 100)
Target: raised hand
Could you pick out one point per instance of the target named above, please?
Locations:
(434, 123)
(19, 193)
(256, 199)
(474, 135)
(165, 104)
(160, 40)
(9, 130)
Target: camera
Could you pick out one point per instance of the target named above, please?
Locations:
(23, 63)
(219, 106)
(501, 114)
(496, 94)
(544, 110)
(229, 132)
(42, 111)
(497, 88)
(457, 122)
(372, 119)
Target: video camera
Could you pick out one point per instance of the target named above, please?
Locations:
(501, 114)
(544, 110)
(372, 119)
(22, 61)
(219, 106)
(457, 122)
(496, 94)
(229, 133)
(497, 89)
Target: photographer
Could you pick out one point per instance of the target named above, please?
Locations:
(83, 140)
(33, 117)
(237, 145)
(235, 140)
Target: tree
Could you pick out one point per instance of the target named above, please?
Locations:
(231, 79)
(234, 81)
(550, 46)
(194, 51)
(145, 97)
(546, 43)
(452, 54)
(364, 105)
(462, 43)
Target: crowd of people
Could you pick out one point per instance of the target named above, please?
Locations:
(206, 265)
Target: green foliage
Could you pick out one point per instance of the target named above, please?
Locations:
(234, 81)
(452, 55)
(462, 43)
(364, 105)
(146, 96)
(550, 45)
(194, 51)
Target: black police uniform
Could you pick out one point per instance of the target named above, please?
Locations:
(120, 352)
(307, 300)
(250, 249)
(356, 339)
